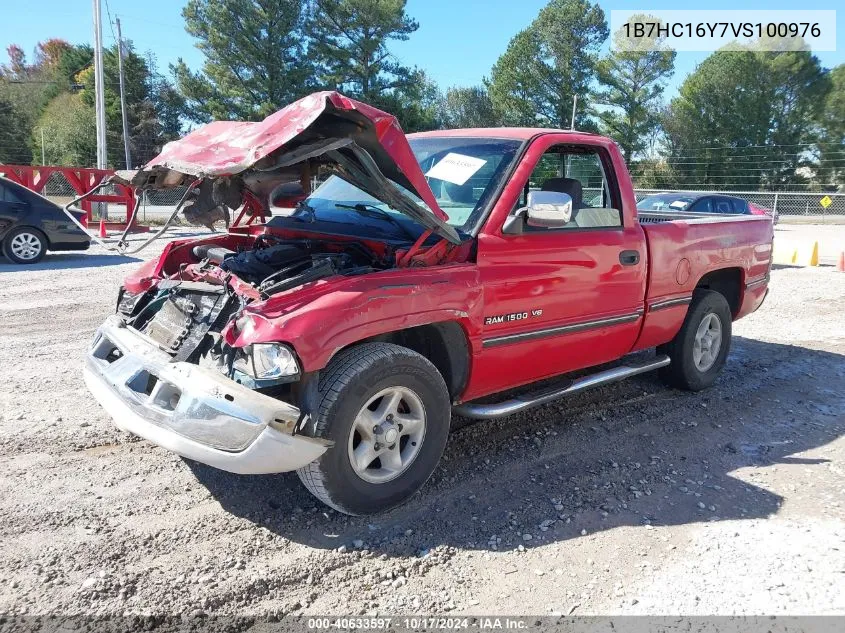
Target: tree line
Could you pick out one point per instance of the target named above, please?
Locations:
(744, 118)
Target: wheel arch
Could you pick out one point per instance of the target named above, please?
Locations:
(444, 343)
(728, 282)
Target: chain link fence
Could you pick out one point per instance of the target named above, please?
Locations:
(163, 197)
(801, 206)
(785, 203)
(58, 189)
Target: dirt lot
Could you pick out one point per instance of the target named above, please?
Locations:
(630, 499)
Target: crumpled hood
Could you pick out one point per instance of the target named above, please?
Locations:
(364, 144)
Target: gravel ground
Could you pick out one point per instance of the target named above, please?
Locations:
(630, 499)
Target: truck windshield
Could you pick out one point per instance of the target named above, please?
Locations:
(463, 174)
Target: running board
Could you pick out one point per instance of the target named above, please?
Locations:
(529, 400)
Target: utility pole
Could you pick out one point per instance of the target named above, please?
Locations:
(122, 96)
(99, 99)
(574, 104)
(43, 160)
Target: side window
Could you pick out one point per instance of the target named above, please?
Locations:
(580, 173)
(739, 205)
(723, 205)
(7, 195)
(702, 205)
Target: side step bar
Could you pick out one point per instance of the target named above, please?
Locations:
(529, 400)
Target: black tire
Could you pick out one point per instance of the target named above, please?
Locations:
(683, 372)
(347, 384)
(33, 237)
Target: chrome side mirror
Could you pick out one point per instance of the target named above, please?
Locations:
(545, 209)
(548, 209)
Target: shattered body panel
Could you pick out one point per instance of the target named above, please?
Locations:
(363, 144)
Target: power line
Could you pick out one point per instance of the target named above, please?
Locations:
(764, 167)
(111, 26)
(764, 145)
(744, 160)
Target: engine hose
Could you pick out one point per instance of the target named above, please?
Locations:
(319, 270)
(122, 246)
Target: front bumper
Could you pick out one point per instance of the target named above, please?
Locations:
(190, 410)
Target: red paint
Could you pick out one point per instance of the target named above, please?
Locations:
(325, 316)
(572, 276)
(758, 210)
(744, 243)
(253, 208)
(224, 148)
(559, 278)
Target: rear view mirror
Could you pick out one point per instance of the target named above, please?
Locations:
(545, 209)
(548, 209)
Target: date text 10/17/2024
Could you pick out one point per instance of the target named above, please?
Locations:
(418, 623)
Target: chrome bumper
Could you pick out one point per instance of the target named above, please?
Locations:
(190, 410)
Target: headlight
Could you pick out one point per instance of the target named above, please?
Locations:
(266, 361)
(126, 301)
(273, 361)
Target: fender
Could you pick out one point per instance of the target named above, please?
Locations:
(334, 313)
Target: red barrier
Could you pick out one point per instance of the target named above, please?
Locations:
(253, 209)
(82, 180)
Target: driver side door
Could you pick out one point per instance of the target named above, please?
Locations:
(561, 299)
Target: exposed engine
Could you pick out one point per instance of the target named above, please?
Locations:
(275, 266)
(186, 316)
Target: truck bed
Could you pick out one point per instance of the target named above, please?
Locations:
(731, 251)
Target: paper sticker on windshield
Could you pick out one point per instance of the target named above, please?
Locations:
(455, 168)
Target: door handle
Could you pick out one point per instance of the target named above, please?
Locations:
(629, 258)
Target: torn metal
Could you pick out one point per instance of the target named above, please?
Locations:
(359, 143)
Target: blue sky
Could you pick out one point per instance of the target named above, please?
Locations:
(457, 42)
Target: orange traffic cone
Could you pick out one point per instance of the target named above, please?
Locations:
(840, 265)
(103, 232)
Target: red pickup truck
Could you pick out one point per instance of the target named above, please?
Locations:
(415, 277)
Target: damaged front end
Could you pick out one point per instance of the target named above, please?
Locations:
(178, 363)
(196, 313)
(241, 163)
(198, 289)
(190, 410)
(170, 365)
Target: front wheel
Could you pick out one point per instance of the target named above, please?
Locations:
(387, 410)
(700, 349)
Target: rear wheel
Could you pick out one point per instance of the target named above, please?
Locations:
(701, 347)
(25, 245)
(387, 410)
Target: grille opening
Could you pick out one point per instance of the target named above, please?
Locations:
(229, 397)
(167, 396)
(104, 349)
(143, 382)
